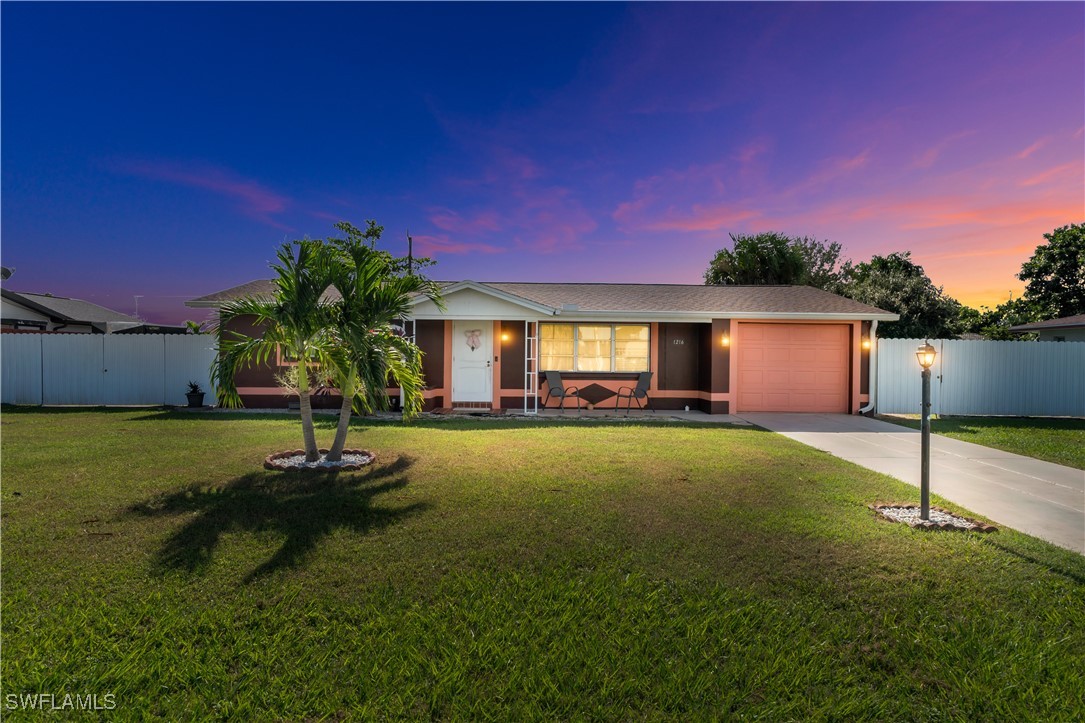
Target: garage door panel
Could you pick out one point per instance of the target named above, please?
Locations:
(803, 380)
(793, 367)
(778, 355)
(774, 378)
(754, 355)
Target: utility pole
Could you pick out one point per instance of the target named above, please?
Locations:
(137, 298)
(410, 254)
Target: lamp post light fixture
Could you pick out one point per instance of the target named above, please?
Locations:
(925, 354)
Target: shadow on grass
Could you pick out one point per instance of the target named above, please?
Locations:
(303, 507)
(451, 423)
(1071, 575)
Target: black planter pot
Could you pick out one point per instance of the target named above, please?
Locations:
(195, 399)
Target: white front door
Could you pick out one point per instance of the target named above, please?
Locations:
(472, 361)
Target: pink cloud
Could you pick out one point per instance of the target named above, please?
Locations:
(932, 154)
(448, 220)
(516, 165)
(334, 218)
(252, 198)
(1031, 149)
(704, 218)
(441, 244)
(1049, 174)
(549, 219)
(753, 149)
(535, 215)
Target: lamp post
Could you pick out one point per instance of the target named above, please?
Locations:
(926, 355)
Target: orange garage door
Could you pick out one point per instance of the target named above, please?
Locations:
(792, 367)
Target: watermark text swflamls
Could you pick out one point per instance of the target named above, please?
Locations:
(60, 701)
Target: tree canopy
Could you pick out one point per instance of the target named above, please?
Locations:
(773, 258)
(1055, 275)
(896, 283)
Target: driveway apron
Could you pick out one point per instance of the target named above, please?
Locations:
(1040, 498)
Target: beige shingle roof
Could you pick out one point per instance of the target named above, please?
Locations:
(665, 298)
(680, 298)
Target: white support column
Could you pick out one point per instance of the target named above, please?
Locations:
(531, 367)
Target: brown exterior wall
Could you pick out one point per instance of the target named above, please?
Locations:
(715, 371)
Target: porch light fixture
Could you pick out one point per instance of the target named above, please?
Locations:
(926, 355)
(725, 340)
(504, 336)
(866, 342)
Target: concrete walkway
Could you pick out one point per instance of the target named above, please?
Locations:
(1040, 498)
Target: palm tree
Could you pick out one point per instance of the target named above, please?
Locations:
(295, 320)
(375, 293)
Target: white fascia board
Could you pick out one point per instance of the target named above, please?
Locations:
(704, 317)
(490, 291)
(476, 317)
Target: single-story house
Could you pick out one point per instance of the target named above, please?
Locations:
(1067, 328)
(24, 311)
(718, 349)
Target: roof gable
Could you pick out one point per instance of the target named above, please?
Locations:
(64, 309)
(474, 300)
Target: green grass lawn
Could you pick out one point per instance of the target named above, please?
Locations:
(502, 569)
(1055, 440)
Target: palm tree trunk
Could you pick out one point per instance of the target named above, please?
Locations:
(312, 454)
(335, 453)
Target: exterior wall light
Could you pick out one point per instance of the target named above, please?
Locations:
(504, 336)
(926, 355)
(725, 340)
(866, 342)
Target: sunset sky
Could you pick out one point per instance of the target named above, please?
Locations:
(165, 150)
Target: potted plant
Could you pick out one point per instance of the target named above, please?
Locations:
(195, 395)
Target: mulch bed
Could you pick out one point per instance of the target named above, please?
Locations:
(294, 460)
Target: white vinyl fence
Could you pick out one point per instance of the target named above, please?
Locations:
(1012, 378)
(104, 369)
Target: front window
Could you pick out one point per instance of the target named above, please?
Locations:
(593, 347)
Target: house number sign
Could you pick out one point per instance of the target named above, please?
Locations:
(679, 342)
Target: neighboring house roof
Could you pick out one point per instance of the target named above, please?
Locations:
(64, 310)
(1066, 322)
(554, 298)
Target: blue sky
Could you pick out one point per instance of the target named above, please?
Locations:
(165, 150)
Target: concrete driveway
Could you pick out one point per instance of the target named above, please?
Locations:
(1043, 499)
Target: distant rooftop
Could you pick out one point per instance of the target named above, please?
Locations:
(64, 309)
(1066, 322)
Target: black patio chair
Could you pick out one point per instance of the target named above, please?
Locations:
(638, 392)
(555, 388)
